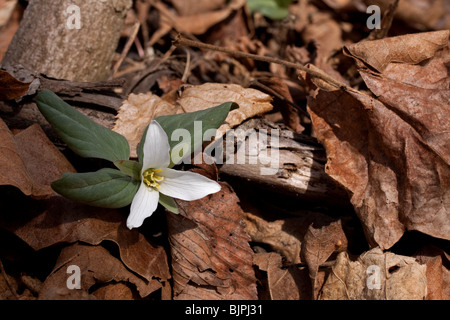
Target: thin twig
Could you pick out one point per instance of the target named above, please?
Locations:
(187, 69)
(126, 48)
(181, 42)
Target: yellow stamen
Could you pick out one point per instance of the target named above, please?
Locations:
(151, 179)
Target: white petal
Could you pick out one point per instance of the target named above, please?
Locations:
(143, 205)
(156, 147)
(186, 185)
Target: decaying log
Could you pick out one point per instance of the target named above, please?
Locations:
(99, 100)
(297, 171)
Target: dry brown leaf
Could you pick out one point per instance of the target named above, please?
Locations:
(12, 168)
(114, 291)
(43, 161)
(10, 16)
(325, 33)
(197, 23)
(10, 87)
(211, 257)
(422, 101)
(185, 8)
(409, 49)
(59, 220)
(376, 276)
(284, 236)
(30, 161)
(393, 157)
(438, 275)
(96, 265)
(420, 14)
(370, 150)
(284, 283)
(323, 237)
(251, 102)
(135, 114)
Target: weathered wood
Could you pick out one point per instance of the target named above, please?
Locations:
(299, 171)
(72, 40)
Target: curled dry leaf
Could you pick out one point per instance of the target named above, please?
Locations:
(298, 239)
(409, 49)
(47, 226)
(376, 276)
(136, 112)
(10, 87)
(97, 266)
(211, 257)
(393, 157)
(283, 283)
(282, 235)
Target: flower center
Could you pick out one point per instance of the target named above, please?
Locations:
(151, 179)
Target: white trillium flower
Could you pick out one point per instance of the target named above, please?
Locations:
(156, 177)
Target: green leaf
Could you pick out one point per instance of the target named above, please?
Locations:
(168, 203)
(108, 188)
(211, 118)
(273, 9)
(131, 168)
(84, 136)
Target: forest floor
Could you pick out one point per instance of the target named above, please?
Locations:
(357, 207)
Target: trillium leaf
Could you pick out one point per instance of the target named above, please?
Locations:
(108, 188)
(84, 136)
(273, 9)
(168, 203)
(211, 118)
(131, 168)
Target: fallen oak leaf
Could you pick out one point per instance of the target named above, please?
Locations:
(323, 238)
(370, 152)
(376, 145)
(375, 275)
(410, 49)
(42, 225)
(211, 257)
(43, 161)
(284, 283)
(13, 170)
(30, 161)
(96, 265)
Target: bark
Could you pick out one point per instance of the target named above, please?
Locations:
(51, 41)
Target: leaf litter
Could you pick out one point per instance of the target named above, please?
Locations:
(385, 133)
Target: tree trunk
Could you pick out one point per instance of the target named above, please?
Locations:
(72, 40)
